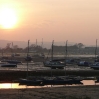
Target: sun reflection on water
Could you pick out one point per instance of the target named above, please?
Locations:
(17, 86)
(10, 85)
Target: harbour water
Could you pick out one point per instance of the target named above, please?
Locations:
(39, 66)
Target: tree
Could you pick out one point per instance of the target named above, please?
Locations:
(8, 45)
(15, 46)
(80, 45)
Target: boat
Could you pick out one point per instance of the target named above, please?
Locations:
(12, 61)
(55, 82)
(49, 81)
(8, 65)
(97, 80)
(38, 55)
(54, 63)
(83, 63)
(30, 82)
(95, 66)
(28, 58)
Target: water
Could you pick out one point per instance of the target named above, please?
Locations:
(40, 66)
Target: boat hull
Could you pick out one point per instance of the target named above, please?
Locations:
(8, 65)
(54, 65)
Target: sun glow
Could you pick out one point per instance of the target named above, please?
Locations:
(8, 18)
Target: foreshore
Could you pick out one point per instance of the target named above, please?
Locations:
(66, 92)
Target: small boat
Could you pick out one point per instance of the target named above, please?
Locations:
(54, 64)
(97, 80)
(12, 61)
(55, 82)
(41, 55)
(8, 65)
(83, 63)
(28, 58)
(29, 82)
(95, 66)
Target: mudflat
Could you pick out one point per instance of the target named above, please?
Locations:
(66, 92)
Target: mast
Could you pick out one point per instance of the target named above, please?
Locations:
(65, 56)
(2, 52)
(12, 53)
(52, 56)
(27, 56)
(96, 49)
(36, 42)
(52, 49)
(42, 43)
(12, 47)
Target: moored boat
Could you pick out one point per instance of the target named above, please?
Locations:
(95, 66)
(83, 63)
(54, 64)
(8, 65)
(49, 81)
(12, 61)
(29, 82)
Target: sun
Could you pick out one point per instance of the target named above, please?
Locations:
(8, 18)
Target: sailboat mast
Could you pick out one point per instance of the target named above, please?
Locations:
(66, 49)
(52, 50)
(36, 42)
(12, 47)
(65, 56)
(27, 56)
(96, 49)
(42, 43)
(52, 56)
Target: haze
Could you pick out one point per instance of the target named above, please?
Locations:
(59, 20)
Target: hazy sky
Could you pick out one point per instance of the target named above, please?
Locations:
(59, 20)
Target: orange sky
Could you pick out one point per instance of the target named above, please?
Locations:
(61, 20)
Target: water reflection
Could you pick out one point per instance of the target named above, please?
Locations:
(88, 82)
(10, 85)
(17, 86)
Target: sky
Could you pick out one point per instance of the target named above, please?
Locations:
(74, 20)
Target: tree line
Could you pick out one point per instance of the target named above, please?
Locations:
(79, 48)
